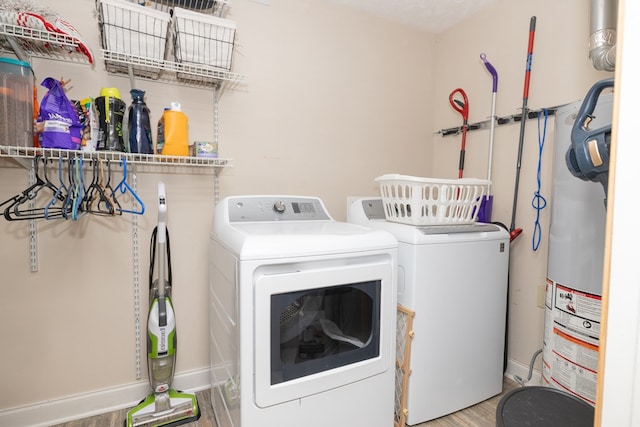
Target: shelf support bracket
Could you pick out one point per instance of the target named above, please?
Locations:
(33, 229)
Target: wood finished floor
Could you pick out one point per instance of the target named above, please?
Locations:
(481, 415)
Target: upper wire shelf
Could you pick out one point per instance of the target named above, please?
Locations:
(114, 156)
(41, 43)
(187, 42)
(190, 74)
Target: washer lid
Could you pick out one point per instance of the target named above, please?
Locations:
(369, 212)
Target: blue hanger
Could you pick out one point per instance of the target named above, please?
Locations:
(123, 186)
(67, 209)
(79, 190)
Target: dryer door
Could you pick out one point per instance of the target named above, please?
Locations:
(321, 328)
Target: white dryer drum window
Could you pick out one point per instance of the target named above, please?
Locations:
(316, 332)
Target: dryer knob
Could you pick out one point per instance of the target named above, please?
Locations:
(279, 206)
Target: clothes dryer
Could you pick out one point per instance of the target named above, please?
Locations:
(302, 312)
(455, 280)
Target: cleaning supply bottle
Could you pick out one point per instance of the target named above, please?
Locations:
(139, 125)
(173, 137)
(111, 110)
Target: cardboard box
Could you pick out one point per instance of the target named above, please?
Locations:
(205, 149)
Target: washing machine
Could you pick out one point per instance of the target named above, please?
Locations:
(302, 316)
(454, 277)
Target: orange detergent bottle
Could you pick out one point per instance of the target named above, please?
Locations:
(173, 135)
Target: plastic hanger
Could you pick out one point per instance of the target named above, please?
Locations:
(77, 210)
(59, 195)
(110, 194)
(97, 201)
(15, 210)
(124, 187)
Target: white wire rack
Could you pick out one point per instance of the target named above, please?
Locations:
(207, 7)
(40, 43)
(113, 156)
(183, 41)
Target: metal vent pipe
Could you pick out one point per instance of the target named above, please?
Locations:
(602, 41)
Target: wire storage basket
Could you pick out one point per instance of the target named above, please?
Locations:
(185, 41)
(203, 40)
(135, 31)
(209, 7)
(430, 201)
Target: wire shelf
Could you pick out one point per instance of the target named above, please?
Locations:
(190, 74)
(208, 7)
(41, 43)
(113, 156)
(168, 40)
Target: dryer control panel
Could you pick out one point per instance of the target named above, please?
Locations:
(276, 208)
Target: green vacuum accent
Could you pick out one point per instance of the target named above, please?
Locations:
(164, 406)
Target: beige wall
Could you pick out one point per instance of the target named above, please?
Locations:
(334, 98)
(561, 73)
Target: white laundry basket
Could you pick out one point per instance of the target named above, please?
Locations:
(430, 201)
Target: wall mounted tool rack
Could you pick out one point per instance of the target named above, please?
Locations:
(504, 120)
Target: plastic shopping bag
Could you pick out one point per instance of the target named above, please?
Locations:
(58, 119)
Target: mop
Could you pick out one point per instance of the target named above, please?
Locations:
(486, 205)
(164, 406)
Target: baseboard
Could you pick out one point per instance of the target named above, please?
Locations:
(89, 404)
(84, 405)
(515, 368)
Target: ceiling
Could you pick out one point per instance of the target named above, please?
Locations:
(429, 15)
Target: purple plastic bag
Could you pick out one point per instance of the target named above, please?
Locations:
(62, 128)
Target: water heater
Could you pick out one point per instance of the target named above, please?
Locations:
(574, 266)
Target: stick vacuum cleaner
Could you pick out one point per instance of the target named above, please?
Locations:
(164, 406)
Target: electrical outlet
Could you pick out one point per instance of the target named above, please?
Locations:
(542, 296)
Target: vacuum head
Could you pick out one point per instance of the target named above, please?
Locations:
(172, 408)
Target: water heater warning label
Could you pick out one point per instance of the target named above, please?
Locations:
(572, 334)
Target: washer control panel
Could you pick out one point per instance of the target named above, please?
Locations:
(276, 208)
(374, 210)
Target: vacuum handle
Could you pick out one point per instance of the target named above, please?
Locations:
(589, 150)
(162, 213)
(162, 311)
(581, 129)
